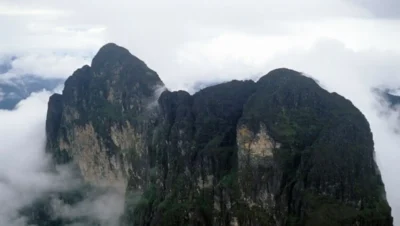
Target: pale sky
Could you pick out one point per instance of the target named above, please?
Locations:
(350, 46)
(189, 40)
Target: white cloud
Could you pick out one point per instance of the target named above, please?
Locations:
(47, 66)
(106, 207)
(23, 162)
(158, 32)
(20, 11)
(341, 43)
(24, 167)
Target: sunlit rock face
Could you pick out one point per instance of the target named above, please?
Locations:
(98, 118)
(279, 151)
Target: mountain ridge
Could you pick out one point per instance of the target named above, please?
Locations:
(236, 153)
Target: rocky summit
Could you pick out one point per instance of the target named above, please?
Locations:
(279, 151)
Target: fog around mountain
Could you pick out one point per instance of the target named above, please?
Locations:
(350, 47)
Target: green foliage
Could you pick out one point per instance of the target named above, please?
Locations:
(253, 215)
(329, 211)
(326, 147)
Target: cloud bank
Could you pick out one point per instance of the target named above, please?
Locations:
(25, 174)
(349, 46)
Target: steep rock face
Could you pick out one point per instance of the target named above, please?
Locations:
(281, 151)
(195, 157)
(321, 160)
(97, 119)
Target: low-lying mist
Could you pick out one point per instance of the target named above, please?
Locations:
(28, 180)
(24, 166)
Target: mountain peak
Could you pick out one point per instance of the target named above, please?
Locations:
(281, 151)
(112, 48)
(283, 74)
(287, 77)
(112, 54)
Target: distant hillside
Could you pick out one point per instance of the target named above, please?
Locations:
(17, 88)
(391, 97)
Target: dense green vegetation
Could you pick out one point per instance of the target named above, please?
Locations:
(187, 168)
(326, 153)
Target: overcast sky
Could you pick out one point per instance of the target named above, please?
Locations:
(350, 46)
(187, 41)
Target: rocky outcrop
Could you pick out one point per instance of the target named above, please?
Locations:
(279, 151)
(323, 164)
(96, 122)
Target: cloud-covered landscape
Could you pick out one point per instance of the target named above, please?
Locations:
(349, 47)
